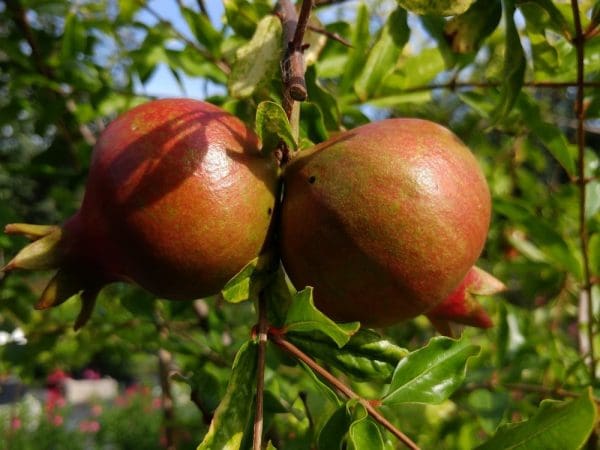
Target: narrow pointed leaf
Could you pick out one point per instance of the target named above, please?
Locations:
(364, 433)
(436, 7)
(244, 285)
(467, 31)
(514, 64)
(430, 374)
(556, 425)
(366, 356)
(384, 55)
(331, 436)
(304, 317)
(227, 427)
(258, 60)
(273, 126)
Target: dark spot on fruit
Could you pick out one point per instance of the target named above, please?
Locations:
(269, 211)
(312, 179)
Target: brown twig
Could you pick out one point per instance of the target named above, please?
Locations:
(260, 375)
(202, 7)
(333, 36)
(544, 391)
(341, 387)
(452, 85)
(165, 363)
(319, 3)
(579, 43)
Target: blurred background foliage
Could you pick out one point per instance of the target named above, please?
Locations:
(504, 82)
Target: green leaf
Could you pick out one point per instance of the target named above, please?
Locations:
(325, 100)
(312, 124)
(74, 38)
(243, 286)
(304, 317)
(436, 7)
(257, 62)
(273, 126)
(594, 246)
(357, 55)
(430, 374)
(556, 425)
(467, 31)
(324, 388)
(331, 436)
(592, 199)
(227, 427)
(514, 64)
(366, 356)
(364, 433)
(384, 55)
(203, 30)
(127, 10)
(242, 15)
(556, 20)
(542, 243)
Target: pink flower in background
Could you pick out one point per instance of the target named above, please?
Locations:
(89, 426)
(90, 374)
(57, 420)
(156, 403)
(15, 423)
(96, 410)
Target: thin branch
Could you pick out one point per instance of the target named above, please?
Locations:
(544, 391)
(165, 367)
(333, 36)
(579, 43)
(341, 387)
(320, 3)
(260, 381)
(202, 7)
(452, 85)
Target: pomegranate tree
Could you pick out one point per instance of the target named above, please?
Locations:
(178, 200)
(385, 221)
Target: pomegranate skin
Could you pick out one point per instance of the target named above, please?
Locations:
(178, 199)
(384, 221)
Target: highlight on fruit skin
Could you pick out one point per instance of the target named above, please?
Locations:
(178, 199)
(385, 221)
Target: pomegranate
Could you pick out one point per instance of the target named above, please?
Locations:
(384, 220)
(178, 200)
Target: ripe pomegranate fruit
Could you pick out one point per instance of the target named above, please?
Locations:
(385, 221)
(178, 200)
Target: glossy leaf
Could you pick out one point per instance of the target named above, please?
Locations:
(594, 245)
(258, 60)
(436, 7)
(331, 436)
(514, 63)
(366, 356)
(229, 422)
(364, 432)
(430, 374)
(243, 286)
(556, 425)
(203, 30)
(467, 31)
(384, 55)
(273, 127)
(304, 317)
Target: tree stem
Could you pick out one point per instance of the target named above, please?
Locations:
(341, 387)
(260, 376)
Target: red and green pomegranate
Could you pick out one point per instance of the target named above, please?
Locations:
(385, 222)
(178, 200)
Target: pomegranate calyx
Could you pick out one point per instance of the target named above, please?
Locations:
(461, 306)
(44, 253)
